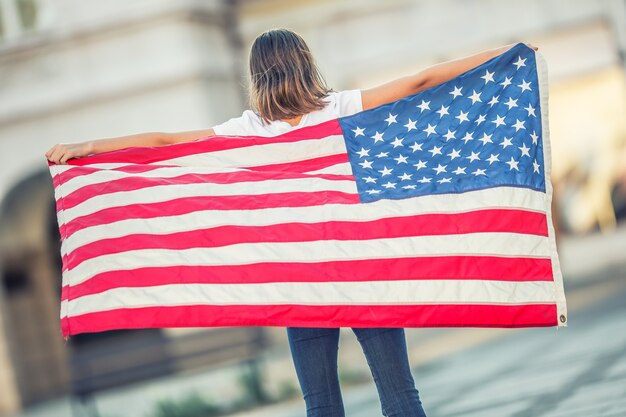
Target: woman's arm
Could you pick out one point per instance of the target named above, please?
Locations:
(429, 77)
(61, 152)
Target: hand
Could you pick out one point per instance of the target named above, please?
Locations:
(532, 46)
(61, 152)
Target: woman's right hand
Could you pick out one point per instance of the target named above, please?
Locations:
(61, 152)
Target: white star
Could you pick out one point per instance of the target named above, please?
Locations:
(435, 150)
(370, 179)
(358, 132)
(397, 142)
(378, 137)
(524, 86)
(486, 139)
(481, 118)
(449, 135)
(441, 181)
(535, 166)
(475, 97)
(420, 164)
(493, 158)
(424, 179)
(520, 62)
(512, 164)
(468, 136)
(524, 150)
(462, 117)
(473, 157)
(366, 164)
(389, 184)
(506, 142)
(400, 159)
(459, 170)
(430, 129)
(488, 76)
(499, 121)
(363, 152)
(409, 187)
(410, 125)
(454, 154)
(385, 171)
(506, 81)
(416, 147)
(382, 155)
(424, 106)
(479, 172)
(511, 103)
(440, 168)
(494, 100)
(531, 110)
(534, 137)
(391, 119)
(373, 191)
(519, 124)
(405, 176)
(442, 111)
(456, 92)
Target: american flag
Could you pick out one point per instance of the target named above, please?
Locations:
(433, 210)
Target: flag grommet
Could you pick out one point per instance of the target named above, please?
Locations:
(562, 318)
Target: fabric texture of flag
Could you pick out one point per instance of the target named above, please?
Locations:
(433, 210)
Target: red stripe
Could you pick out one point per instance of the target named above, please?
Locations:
(147, 155)
(79, 171)
(306, 165)
(137, 183)
(491, 220)
(411, 268)
(446, 315)
(190, 204)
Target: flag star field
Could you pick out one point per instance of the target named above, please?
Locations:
(479, 130)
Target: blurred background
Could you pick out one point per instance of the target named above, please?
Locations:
(73, 70)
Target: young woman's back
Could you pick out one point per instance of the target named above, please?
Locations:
(287, 92)
(339, 104)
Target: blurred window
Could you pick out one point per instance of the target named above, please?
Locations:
(17, 18)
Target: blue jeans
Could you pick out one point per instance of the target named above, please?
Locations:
(314, 353)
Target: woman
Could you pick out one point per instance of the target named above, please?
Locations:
(287, 92)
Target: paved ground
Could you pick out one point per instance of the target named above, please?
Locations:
(540, 372)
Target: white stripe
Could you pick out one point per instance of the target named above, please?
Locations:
(105, 176)
(268, 154)
(503, 197)
(160, 193)
(339, 169)
(498, 244)
(320, 293)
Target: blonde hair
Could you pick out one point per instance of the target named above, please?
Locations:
(284, 79)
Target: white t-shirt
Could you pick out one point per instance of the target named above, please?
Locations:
(340, 103)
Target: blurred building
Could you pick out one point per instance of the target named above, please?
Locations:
(72, 70)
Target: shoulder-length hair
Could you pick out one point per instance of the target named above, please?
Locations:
(284, 79)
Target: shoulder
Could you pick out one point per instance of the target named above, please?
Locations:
(239, 126)
(345, 102)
